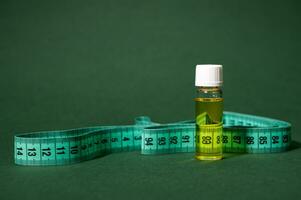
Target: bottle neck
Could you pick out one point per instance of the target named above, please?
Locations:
(209, 92)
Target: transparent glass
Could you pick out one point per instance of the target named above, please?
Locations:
(209, 123)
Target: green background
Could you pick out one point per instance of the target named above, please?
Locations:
(67, 64)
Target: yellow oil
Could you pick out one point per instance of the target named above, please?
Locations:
(209, 128)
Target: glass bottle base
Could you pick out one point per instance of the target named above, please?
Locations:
(205, 156)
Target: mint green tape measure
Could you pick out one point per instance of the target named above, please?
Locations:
(241, 133)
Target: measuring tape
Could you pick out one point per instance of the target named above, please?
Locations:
(241, 133)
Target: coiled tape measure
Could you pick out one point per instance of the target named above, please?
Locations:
(241, 133)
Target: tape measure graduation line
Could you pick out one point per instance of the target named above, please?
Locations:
(241, 133)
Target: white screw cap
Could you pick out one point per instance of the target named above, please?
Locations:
(209, 75)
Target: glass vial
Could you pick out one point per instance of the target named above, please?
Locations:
(209, 112)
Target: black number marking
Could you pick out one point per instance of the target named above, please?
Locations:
(225, 139)
(206, 140)
(46, 152)
(218, 139)
(173, 140)
(250, 140)
(19, 151)
(125, 139)
(32, 152)
(84, 147)
(237, 139)
(148, 141)
(61, 149)
(285, 139)
(74, 150)
(275, 139)
(162, 140)
(185, 139)
(263, 140)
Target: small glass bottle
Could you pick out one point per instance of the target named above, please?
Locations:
(209, 112)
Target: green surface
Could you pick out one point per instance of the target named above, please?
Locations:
(82, 63)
